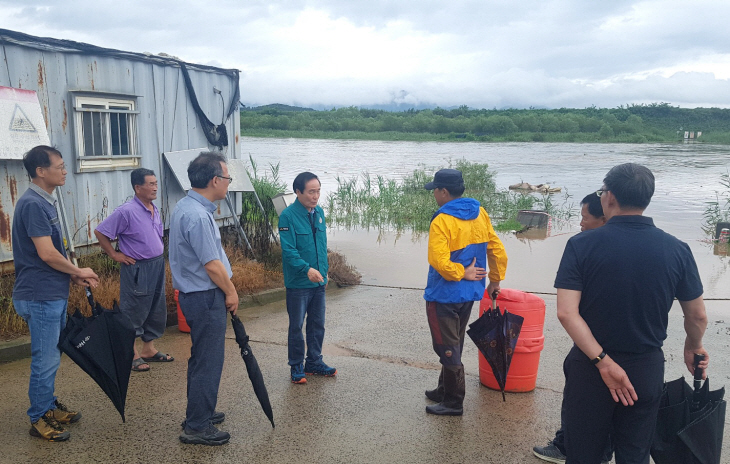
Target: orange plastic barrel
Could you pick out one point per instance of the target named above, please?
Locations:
(522, 374)
(182, 324)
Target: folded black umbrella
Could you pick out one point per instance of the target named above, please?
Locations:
(102, 345)
(690, 423)
(252, 367)
(496, 334)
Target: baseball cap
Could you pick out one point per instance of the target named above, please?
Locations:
(446, 178)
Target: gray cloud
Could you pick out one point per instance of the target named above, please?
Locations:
(556, 53)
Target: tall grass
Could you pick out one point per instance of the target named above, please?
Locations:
(382, 203)
(257, 224)
(718, 210)
(248, 277)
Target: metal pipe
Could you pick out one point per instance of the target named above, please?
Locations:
(64, 226)
(268, 223)
(238, 223)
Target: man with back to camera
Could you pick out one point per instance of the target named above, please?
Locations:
(615, 286)
(303, 235)
(138, 226)
(202, 274)
(591, 217)
(40, 294)
(461, 241)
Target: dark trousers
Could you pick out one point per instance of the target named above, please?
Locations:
(205, 313)
(448, 323)
(142, 296)
(559, 440)
(591, 414)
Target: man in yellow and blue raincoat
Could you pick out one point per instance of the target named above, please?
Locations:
(461, 245)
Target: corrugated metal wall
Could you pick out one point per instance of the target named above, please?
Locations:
(166, 122)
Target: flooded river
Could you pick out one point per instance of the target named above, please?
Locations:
(687, 176)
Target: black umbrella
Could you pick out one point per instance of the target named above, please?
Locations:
(495, 334)
(690, 422)
(252, 367)
(102, 345)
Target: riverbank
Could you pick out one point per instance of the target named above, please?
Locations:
(654, 123)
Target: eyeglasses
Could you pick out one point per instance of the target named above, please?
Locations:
(600, 192)
(61, 167)
(230, 179)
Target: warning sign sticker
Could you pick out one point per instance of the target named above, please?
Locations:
(21, 123)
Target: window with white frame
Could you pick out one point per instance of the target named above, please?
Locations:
(106, 132)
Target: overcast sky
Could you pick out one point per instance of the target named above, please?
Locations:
(480, 53)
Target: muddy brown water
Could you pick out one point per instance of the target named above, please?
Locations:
(687, 177)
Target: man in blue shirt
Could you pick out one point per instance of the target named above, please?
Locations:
(40, 294)
(616, 285)
(202, 273)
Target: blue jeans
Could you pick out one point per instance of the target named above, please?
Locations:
(45, 320)
(205, 312)
(307, 302)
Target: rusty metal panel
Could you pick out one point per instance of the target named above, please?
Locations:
(13, 182)
(99, 74)
(166, 122)
(20, 70)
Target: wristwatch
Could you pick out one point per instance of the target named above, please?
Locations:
(598, 358)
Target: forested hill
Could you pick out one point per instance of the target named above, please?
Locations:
(656, 122)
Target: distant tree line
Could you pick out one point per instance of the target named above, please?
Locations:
(632, 123)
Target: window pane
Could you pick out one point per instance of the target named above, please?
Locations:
(93, 128)
(124, 133)
(88, 134)
(106, 133)
(120, 133)
(98, 126)
(115, 134)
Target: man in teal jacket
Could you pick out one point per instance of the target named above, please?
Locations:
(303, 234)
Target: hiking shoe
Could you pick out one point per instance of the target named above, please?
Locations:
(48, 428)
(63, 415)
(549, 453)
(320, 369)
(297, 375)
(215, 419)
(210, 436)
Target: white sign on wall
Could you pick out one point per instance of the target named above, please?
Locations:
(21, 123)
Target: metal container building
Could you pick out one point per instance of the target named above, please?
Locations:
(108, 112)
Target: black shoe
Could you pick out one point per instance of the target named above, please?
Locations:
(549, 453)
(434, 395)
(211, 437)
(215, 419)
(441, 410)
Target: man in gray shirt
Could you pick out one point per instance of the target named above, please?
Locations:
(40, 293)
(202, 273)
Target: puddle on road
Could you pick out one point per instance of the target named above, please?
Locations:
(339, 350)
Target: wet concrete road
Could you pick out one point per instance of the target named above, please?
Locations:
(373, 411)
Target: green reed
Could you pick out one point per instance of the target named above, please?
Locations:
(382, 203)
(717, 210)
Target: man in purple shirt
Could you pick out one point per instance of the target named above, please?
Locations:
(138, 227)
